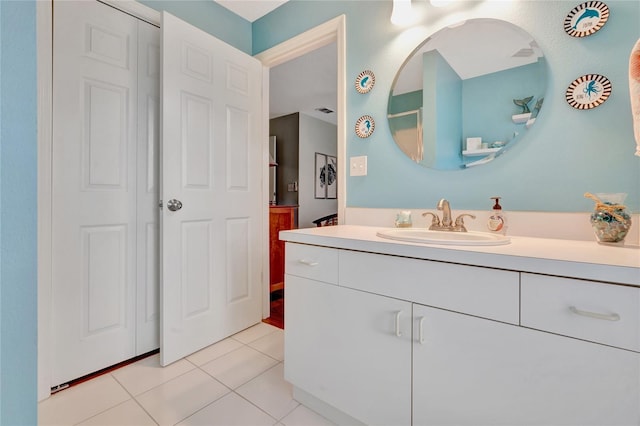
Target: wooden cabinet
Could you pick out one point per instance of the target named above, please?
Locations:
(396, 340)
(281, 218)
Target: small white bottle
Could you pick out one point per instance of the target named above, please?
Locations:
(497, 221)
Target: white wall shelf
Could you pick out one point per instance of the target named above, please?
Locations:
(521, 118)
(479, 152)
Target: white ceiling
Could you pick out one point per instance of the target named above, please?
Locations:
(478, 47)
(304, 84)
(250, 9)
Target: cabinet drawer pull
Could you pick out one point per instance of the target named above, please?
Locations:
(607, 317)
(308, 262)
(398, 332)
(421, 330)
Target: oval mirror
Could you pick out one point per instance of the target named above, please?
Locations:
(467, 94)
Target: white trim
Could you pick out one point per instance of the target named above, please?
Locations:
(136, 9)
(266, 224)
(44, 38)
(323, 34)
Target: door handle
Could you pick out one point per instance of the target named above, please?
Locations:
(596, 315)
(421, 330)
(174, 205)
(398, 332)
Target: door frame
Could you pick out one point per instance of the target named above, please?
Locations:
(331, 31)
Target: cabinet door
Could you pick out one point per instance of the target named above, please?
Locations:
(342, 347)
(471, 371)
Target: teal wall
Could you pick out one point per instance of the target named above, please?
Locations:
(442, 102)
(18, 280)
(488, 105)
(566, 153)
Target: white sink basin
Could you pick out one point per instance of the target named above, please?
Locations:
(426, 236)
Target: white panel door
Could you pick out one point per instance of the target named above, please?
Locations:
(93, 188)
(211, 160)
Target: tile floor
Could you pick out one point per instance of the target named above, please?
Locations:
(238, 381)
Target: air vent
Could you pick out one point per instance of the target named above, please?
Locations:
(325, 110)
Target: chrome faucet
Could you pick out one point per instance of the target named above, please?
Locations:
(446, 223)
(443, 206)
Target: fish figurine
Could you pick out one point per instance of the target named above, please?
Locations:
(634, 91)
(538, 106)
(588, 13)
(522, 103)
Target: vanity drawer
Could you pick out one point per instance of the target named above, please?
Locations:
(313, 262)
(589, 310)
(483, 292)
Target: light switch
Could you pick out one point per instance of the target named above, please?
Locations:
(358, 166)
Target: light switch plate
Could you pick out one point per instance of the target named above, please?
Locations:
(358, 166)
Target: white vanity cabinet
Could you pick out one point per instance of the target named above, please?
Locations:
(471, 371)
(400, 340)
(348, 348)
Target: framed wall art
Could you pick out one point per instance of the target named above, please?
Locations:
(320, 187)
(332, 177)
(326, 176)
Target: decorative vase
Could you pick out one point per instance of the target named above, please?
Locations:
(610, 219)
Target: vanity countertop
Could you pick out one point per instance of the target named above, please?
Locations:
(569, 258)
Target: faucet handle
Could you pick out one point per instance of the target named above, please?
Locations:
(435, 222)
(459, 225)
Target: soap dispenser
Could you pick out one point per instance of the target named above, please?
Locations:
(497, 221)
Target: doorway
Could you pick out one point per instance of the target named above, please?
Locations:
(330, 35)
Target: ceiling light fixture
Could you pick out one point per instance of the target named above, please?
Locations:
(401, 12)
(440, 3)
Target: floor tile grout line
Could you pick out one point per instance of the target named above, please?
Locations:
(259, 408)
(212, 402)
(261, 374)
(166, 381)
(110, 407)
(266, 354)
(245, 382)
(275, 330)
(137, 402)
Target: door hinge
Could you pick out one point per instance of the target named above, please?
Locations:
(59, 388)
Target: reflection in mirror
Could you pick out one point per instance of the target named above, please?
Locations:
(467, 94)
